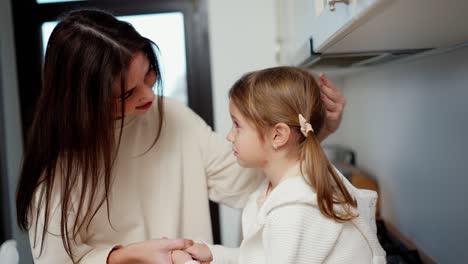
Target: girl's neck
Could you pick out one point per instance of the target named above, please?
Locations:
(280, 169)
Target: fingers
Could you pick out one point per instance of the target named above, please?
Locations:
(334, 95)
(188, 243)
(200, 251)
(329, 104)
(191, 250)
(174, 244)
(330, 90)
(180, 256)
(325, 81)
(333, 116)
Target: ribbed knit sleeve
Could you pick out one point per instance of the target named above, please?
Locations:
(224, 255)
(298, 233)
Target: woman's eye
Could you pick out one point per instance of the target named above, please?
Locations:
(236, 124)
(128, 94)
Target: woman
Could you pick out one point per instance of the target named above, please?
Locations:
(110, 168)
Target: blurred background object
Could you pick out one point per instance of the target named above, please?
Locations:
(9, 253)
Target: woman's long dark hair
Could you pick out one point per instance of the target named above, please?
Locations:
(71, 145)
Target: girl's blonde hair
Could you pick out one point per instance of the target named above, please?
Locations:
(278, 95)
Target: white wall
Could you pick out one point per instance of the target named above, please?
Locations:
(242, 39)
(11, 116)
(408, 123)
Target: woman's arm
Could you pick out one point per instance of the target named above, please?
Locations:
(52, 250)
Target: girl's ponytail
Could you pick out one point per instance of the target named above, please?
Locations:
(333, 199)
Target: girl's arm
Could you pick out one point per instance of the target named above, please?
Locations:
(214, 254)
(297, 234)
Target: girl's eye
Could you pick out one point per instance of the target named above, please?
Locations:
(236, 124)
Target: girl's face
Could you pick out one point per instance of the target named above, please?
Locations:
(138, 95)
(247, 145)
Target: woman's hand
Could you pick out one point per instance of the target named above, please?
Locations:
(334, 104)
(200, 252)
(156, 251)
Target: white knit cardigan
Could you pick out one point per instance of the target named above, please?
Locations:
(289, 228)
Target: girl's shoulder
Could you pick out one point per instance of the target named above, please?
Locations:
(292, 191)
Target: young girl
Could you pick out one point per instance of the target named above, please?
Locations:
(306, 211)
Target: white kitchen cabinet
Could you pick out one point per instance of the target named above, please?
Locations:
(327, 21)
(373, 31)
(331, 18)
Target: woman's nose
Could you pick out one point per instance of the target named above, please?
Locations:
(147, 94)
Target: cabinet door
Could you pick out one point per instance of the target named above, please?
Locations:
(327, 21)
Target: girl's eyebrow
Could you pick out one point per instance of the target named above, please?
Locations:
(233, 117)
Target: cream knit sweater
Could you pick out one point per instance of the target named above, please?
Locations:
(156, 194)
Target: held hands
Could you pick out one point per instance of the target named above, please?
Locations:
(198, 251)
(334, 103)
(156, 251)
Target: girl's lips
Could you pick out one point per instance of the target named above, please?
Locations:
(145, 106)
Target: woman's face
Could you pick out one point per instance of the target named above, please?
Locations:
(138, 93)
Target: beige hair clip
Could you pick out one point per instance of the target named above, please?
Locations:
(305, 127)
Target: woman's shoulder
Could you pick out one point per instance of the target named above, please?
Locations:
(172, 106)
(179, 113)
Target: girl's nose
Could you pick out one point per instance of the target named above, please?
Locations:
(229, 137)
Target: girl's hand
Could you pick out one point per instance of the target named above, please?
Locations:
(200, 252)
(334, 104)
(156, 251)
(180, 257)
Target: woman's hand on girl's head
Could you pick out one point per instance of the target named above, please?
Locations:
(334, 103)
(157, 251)
(200, 252)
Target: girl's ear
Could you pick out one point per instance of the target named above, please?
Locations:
(280, 134)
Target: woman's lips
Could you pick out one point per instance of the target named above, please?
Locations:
(145, 106)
